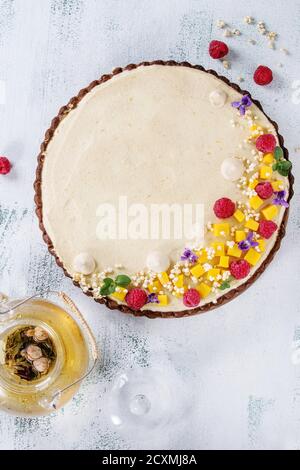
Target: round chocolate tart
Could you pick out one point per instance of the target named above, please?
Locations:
(171, 134)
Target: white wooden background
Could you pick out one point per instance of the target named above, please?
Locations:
(236, 363)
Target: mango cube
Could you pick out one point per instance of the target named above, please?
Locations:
(221, 230)
(261, 244)
(253, 184)
(234, 251)
(202, 256)
(252, 257)
(163, 300)
(270, 212)
(179, 282)
(268, 158)
(120, 294)
(219, 248)
(239, 216)
(164, 278)
(224, 261)
(155, 287)
(197, 270)
(251, 224)
(266, 172)
(204, 290)
(213, 274)
(256, 202)
(277, 186)
(240, 235)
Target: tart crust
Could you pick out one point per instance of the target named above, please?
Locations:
(111, 304)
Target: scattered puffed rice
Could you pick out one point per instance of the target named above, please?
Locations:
(226, 64)
(221, 24)
(248, 20)
(227, 33)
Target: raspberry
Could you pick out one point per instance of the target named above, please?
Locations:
(266, 143)
(5, 166)
(136, 298)
(224, 208)
(267, 228)
(218, 49)
(264, 190)
(263, 75)
(191, 298)
(239, 269)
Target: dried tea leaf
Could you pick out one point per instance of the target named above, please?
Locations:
(16, 358)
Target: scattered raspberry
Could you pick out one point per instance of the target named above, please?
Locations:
(266, 143)
(191, 298)
(5, 166)
(224, 208)
(136, 298)
(263, 75)
(239, 269)
(218, 49)
(267, 228)
(264, 190)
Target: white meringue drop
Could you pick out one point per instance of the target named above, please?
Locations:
(157, 261)
(84, 263)
(218, 98)
(232, 169)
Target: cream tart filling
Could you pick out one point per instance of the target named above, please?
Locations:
(158, 134)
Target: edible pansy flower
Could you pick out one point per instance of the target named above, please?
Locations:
(279, 199)
(245, 245)
(189, 255)
(153, 299)
(242, 105)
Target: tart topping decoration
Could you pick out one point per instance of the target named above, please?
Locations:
(191, 298)
(240, 269)
(218, 49)
(267, 228)
(243, 104)
(224, 208)
(136, 299)
(264, 190)
(266, 143)
(5, 166)
(157, 261)
(232, 169)
(263, 75)
(280, 199)
(84, 263)
(218, 98)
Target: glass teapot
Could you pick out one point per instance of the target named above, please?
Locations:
(46, 350)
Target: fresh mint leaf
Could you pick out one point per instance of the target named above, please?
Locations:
(278, 153)
(122, 280)
(109, 286)
(284, 167)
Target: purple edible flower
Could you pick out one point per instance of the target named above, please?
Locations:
(188, 255)
(245, 245)
(245, 102)
(153, 299)
(279, 200)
